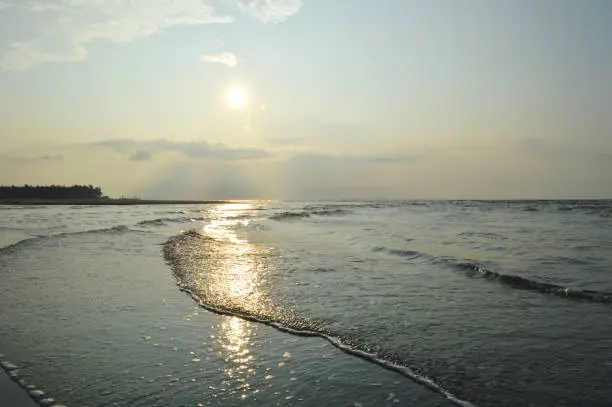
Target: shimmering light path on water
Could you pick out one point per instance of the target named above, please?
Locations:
(495, 303)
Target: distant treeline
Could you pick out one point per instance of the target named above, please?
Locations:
(51, 192)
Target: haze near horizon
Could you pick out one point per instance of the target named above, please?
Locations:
(292, 99)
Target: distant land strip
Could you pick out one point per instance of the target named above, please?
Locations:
(107, 201)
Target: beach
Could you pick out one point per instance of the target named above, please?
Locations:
(12, 395)
(374, 303)
(98, 324)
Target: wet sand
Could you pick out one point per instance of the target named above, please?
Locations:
(97, 320)
(11, 395)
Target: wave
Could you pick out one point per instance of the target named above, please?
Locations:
(109, 230)
(487, 235)
(175, 219)
(479, 271)
(152, 222)
(310, 211)
(514, 281)
(10, 236)
(40, 397)
(593, 207)
(405, 253)
(331, 212)
(290, 215)
(17, 245)
(348, 205)
(584, 205)
(181, 253)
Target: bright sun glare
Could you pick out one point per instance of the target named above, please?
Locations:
(237, 98)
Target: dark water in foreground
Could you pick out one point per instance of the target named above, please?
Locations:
(488, 303)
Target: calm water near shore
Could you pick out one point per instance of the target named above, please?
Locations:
(325, 303)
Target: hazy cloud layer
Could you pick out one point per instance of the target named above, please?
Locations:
(141, 155)
(317, 159)
(225, 58)
(140, 150)
(269, 11)
(143, 150)
(54, 157)
(71, 25)
(28, 159)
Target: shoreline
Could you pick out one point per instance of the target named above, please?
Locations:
(103, 202)
(131, 202)
(141, 339)
(12, 393)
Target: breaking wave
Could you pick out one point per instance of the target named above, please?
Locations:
(290, 215)
(29, 240)
(404, 253)
(477, 270)
(308, 212)
(164, 221)
(111, 230)
(331, 212)
(514, 281)
(152, 222)
(191, 257)
(16, 245)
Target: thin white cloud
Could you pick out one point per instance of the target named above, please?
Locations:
(269, 11)
(225, 58)
(77, 23)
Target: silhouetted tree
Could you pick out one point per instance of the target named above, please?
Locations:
(50, 192)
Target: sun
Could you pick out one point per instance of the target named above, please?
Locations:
(237, 98)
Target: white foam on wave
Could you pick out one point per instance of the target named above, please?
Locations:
(336, 342)
(309, 331)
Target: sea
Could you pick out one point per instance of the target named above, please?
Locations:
(323, 303)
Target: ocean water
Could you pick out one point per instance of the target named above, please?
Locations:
(433, 303)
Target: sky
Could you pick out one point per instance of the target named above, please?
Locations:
(309, 99)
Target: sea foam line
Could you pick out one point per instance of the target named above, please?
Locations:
(337, 343)
(329, 337)
(521, 283)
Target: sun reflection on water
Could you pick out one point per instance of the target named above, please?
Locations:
(224, 220)
(233, 270)
(235, 278)
(223, 270)
(235, 337)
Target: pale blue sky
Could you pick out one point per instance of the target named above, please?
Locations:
(354, 99)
